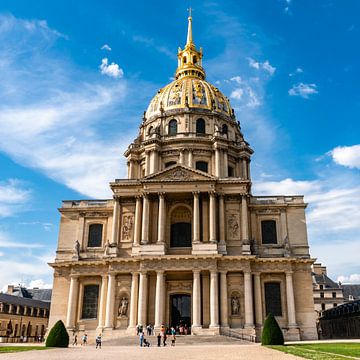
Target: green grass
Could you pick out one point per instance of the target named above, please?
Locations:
(9, 349)
(322, 351)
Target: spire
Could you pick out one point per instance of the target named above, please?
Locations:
(189, 40)
(190, 59)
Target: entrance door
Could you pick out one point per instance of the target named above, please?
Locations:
(180, 306)
(180, 235)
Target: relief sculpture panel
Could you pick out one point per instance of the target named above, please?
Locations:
(233, 226)
(127, 227)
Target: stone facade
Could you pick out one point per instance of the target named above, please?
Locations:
(184, 225)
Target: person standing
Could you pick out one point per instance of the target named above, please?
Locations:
(141, 339)
(164, 338)
(98, 341)
(173, 339)
(158, 340)
(84, 339)
(74, 343)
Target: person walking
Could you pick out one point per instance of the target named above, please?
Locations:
(98, 341)
(164, 338)
(173, 339)
(74, 343)
(84, 339)
(141, 339)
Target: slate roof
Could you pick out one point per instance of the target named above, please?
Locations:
(353, 290)
(18, 300)
(36, 293)
(325, 280)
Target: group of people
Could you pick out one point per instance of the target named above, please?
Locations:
(84, 340)
(161, 337)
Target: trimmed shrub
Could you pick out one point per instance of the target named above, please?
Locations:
(271, 334)
(58, 336)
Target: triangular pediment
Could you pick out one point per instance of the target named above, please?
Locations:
(179, 173)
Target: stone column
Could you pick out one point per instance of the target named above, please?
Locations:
(102, 308)
(244, 220)
(142, 306)
(145, 220)
(31, 311)
(224, 299)
(284, 233)
(244, 169)
(72, 301)
(115, 223)
(25, 309)
(159, 298)
(110, 301)
(249, 312)
(217, 163)
(212, 217)
(258, 300)
(182, 157)
(196, 220)
(290, 299)
(196, 305)
(162, 217)
(154, 162)
(214, 299)
(131, 174)
(221, 219)
(137, 229)
(134, 299)
(190, 158)
(226, 164)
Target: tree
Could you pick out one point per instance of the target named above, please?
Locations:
(271, 334)
(58, 336)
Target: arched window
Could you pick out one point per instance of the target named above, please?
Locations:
(150, 130)
(180, 231)
(273, 298)
(224, 129)
(268, 232)
(200, 126)
(170, 163)
(194, 60)
(184, 59)
(202, 166)
(230, 171)
(172, 127)
(95, 235)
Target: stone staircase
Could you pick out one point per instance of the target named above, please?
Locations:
(184, 340)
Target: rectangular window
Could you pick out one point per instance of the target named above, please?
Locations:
(322, 295)
(334, 295)
(321, 287)
(322, 306)
(95, 235)
(90, 302)
(273, 298)
(268, 232)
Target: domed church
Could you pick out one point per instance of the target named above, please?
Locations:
(183, 242)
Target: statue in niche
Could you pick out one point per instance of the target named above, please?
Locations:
(235, 305)
(77, 249)
(106, 249)
(123, 308)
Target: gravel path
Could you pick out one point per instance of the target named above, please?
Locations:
(193, 352)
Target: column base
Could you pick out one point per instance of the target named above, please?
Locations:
(215, 329)
(246, 250)
(222, 248)
(292, 333)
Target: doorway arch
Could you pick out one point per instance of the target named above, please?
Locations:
(180, 310)
(181, 227)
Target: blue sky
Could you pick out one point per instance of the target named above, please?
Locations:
(76, 77)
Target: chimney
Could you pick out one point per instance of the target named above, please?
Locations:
(10, 289)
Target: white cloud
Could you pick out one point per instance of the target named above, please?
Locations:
(297, 71)
(106, 47)
(303, 90)
(348, 156)
(39, 283)
(46, 226)
(7, 243)
(264, 66)
(237, 93)
(13, 196)
(351, 279)
(112, 70)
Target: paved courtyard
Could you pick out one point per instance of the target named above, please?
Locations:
(193, 352)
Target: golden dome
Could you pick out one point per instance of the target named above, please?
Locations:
(189, 89)
(189, 92)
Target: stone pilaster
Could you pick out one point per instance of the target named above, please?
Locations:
(212, 217)
(290, 300)
(258, 300)
(110, 301)
(134, 300)
(245, 227)
(225, 164)
(115, 223)
(102, 304)
(138, 212)
(190, 158)
(249, 312)
(72, 302)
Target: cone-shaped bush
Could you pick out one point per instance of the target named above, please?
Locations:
(271, 334)
(58, 336)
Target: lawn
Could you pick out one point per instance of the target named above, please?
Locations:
(9, 349)
(323, 351)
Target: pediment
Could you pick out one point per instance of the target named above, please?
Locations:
(179, 173)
